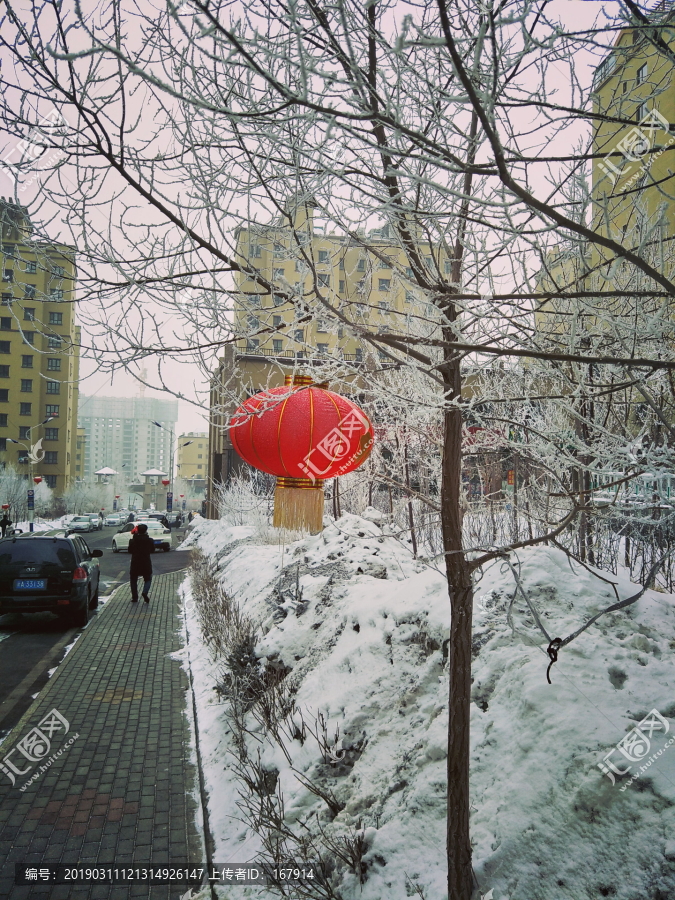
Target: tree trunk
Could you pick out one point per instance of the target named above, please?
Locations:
(460, 589)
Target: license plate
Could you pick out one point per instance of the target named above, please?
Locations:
(158, 542)
(30, 584)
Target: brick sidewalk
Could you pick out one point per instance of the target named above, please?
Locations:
(122, 792)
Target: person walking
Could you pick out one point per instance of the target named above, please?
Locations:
(5, 522)
(141, 546)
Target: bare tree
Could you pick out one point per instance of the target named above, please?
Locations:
(448, 125)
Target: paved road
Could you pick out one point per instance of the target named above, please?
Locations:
(31, 645)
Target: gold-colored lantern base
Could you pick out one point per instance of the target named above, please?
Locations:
(298, 505)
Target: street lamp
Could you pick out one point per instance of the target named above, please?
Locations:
(173, 438)
(32, 459)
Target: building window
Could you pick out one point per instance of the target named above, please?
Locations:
(384, 284)
(278, 299)
(51, 457)
(384, 307)
(58, 270)
(5, 323)
(24, 432)
(277, 346)
(7, 299)
(278, 273)
(31, 267)
(3, 420)
(50, 481)
(322, 326)
(4, 371)
(299, 334)
(254, 300)
(642, 111)
(279, 250)
(8, 275)
(29, 314)
(4, 346)
(252, 344)
(54, 343)
(8, 250)
(3, 443)
(51, 410)
(255, 251)
(342, 264)
(641, 75)
(4, 395)
(29, 337)
(358, 355)
(252, 322)
(56, 293)
(361, 265)
(323, 256)
(29, 292)
(51, 434)
(55, 318)
(324, 280)
(200, 456)
(323, 348)
(342, 286)
(26, 385)
(25, 409)
(53, 387)
(276, 321)
(26, 362)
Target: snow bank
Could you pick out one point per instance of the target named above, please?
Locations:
(365, 640)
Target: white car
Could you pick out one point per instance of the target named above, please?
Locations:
(113, 519)
(160, 535)
(80, 523)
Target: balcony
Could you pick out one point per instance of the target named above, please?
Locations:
(313, 355)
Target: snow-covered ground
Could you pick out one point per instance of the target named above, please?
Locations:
(366, 643)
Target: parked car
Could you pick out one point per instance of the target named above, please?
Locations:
(96, 521)
(79, 523)
(174, 519)
(160, 535)
(49, 574)
(113, 519)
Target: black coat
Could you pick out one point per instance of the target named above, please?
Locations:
(140, 547)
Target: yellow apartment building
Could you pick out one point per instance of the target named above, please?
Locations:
(193, 455)
(367, 279)
(39, 352)
(632, 185)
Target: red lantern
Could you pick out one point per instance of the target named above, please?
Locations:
(303, 434)
(165, 481)
(37, 479)
(5, 505)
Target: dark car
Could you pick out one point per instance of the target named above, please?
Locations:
(49, 574)
(160, 516)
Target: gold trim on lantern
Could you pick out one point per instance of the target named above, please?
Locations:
(305, 484)
(303, 381)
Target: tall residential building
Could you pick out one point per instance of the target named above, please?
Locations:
(39, 351)
(367, 278)
(636, 83)
(119, 432)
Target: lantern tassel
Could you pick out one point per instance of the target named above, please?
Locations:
(298, 505)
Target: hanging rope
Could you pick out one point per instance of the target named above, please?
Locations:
(556, 644)
(552, 651)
